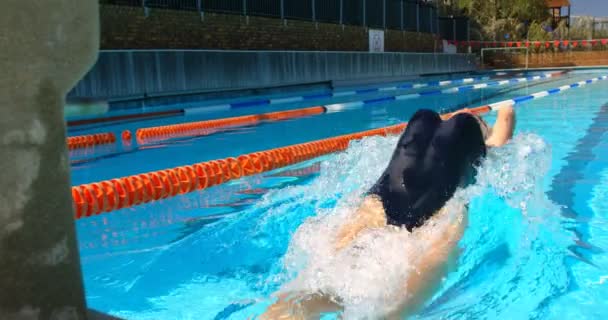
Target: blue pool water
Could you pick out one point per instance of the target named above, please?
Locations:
(533, 249)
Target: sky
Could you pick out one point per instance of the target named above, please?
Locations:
(598, 8)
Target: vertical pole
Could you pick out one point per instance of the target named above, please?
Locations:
(454, 29)
(431, 19)
(282, 9)
(314, 13)
(245, 12)
(384, 14)
(436, 21)
(341, 11)
(593, 28)
(364, 14)
(568, 21)
(468, 29)
(146, 9)
(401, 15)
(417, 16)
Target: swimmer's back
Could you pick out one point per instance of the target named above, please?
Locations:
(432, 158)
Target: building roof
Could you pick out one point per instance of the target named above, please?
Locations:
(558, 3)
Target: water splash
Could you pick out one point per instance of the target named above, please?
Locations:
(286, 243)
(368, 276)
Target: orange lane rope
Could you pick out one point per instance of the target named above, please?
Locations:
(206, 127)
(105, 196)
(90, 140)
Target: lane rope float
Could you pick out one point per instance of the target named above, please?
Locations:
(337, 107)
(291, 99)
(199, 128)
(90, 140)
(105, 196)
(144, 135)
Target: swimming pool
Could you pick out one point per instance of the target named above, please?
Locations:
(533, 248)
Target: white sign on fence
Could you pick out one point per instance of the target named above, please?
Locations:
(376, 40)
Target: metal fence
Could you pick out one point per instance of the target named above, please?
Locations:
(454, 28)
(409, 15)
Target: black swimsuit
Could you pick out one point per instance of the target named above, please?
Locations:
(433, 158)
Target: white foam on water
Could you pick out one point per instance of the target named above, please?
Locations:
(368, 276)
(338, 107)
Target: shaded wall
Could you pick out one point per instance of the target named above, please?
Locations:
(147, 73)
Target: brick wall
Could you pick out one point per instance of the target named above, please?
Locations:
(128, 28)
(550, 59)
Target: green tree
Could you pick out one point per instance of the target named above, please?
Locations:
(493, 19)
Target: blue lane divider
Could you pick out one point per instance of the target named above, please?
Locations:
(541, 94)
(522, 99)
(361, 91)
(406, 86)
(377, 100)
(353, 92)
(430, 93)
(465, 88)
(249, 103)
(356, 104)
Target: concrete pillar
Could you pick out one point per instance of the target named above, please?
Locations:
(46, 47)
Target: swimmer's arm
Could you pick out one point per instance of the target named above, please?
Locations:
(369, 215)
(300, 306)
(503, 128)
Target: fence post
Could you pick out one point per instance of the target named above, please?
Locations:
(146, 9)
(364, 14)
(314, 13)
(199, 8)
(384, 14)
(431, 19)
(436, 21)
(468, 29)
(417, 16)
(401, 15)
(341, 11)
(282, 9)
(454, 29)
(245, 12)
